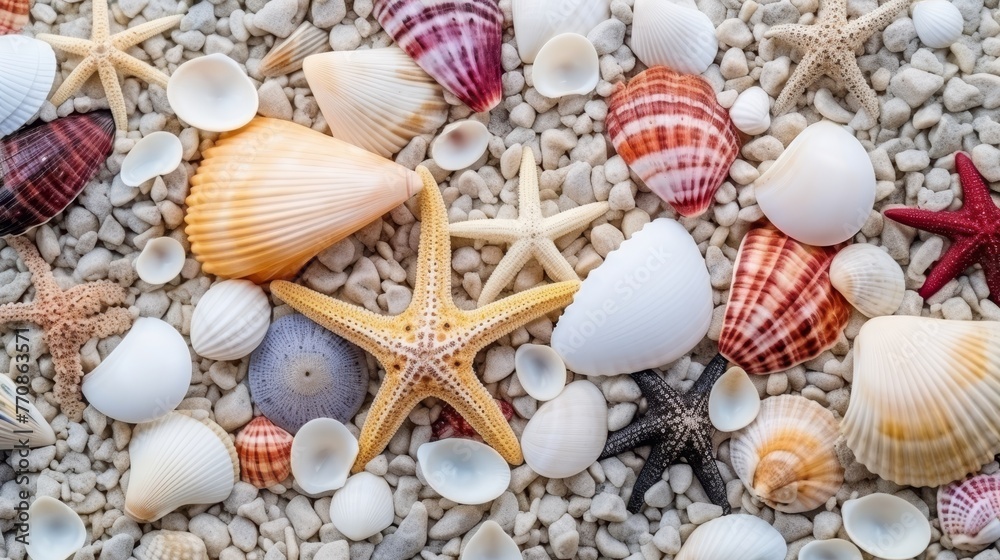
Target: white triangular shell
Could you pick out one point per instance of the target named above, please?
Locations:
(751, 112)
(567, 434)
(734, 536)
(939, 23)
(178, 461)
(156, 154)
(13, 407)
(230, 320)
(161, 260)
(648, 304)
(673, 33)
(464, 471)
(491, 542)
(969, 512)
(460, 145)
(171, 545)
(869, 279)
(29, 67)
(536, 22)
(734, 401)
(830, 549)
(323, 453)
(540, 371)
(363, 507)
(567, 65)
(287, 57)
(886, 526)
(56, 532)
(925, 399)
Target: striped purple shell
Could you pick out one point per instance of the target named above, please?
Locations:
(970, 511)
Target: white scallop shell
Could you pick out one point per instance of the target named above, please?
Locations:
(566, 65)
(13, 409)
(821, 189)
(734, 401)
(540, 371)
(673, 33)
(886, 526)
(160, 261)
(567, 434)
(751, 112)
(177, 461)
(464, 471)
(460, 145)
(146, 376)
(938, 22)
(29, 67)
(363, 507)
(212, 93)
(869, 279)
(491, 542)
(230, 320)
(156, 154)
(617, 321)
(323, 452)
(56, 532)
(830, 549)
(734, 536)
(536, 22)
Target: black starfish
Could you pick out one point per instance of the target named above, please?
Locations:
(676, 426)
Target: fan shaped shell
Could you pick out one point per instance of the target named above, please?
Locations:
(29, 69)
(288, 56)
(363, 507)
(734, 536)
(171, 545)
(567, 434)
(14, 408)
(869, 279)
(673, 33)
(969, 511)
(13, 15)
(939, 23)
(265, 452)
(230, 320)
(535, 23)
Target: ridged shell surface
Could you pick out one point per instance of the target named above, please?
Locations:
(171, 545)
(673, 33)
(536, 22)
(14, 409)
(230, 320)
(288, 56)
(567, 434)
(751, 112)
(363, 507)
(270, 196)
(734, 536)
(673, 133)
(13, 15)
(786, 456)
(939, 23)
(457, 42)
(869, 279)
(648, 304)
(265, 452)
(377, 99)
(29, 69)
(782, 308)
(925, 399)
(969, 512)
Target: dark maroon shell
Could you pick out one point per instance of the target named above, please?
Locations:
(45, 167)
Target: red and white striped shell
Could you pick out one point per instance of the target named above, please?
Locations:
(782, 309)
(265, 452)
(673, 133)
(13, 15)
(970, 511)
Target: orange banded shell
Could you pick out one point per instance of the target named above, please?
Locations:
(265, 452)
(13, 15)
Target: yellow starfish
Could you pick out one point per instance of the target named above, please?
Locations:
(105, 54)
(530, 235)
(427, 350)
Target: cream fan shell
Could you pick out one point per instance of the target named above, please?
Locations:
(734, 401)
(323, 452)
(869, 279)
(536, 22)
(673, 33)
(566, 65)
(463, 471)
(13, 409)
(886, 526)
(56, 532)
(212, 93)
(363, 507)
(751, 112)
(460, 145)
(29, 69)
(491, 542)
(156, 154)
(734, 536)
(939, 23)
(230, 320)
(567, 434)
(288, 56)
(171, 545)
(160, 261)
(540, 371)
(831, 549)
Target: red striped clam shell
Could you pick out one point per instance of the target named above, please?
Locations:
(970, 511)
(673, 133)
(265, 452)
(13, 15)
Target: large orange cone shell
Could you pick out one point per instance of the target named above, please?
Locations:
(673, 133)
(265, 452)
(782, 308)
(271, 195)
(13, 15)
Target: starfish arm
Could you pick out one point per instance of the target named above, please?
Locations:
(113, 91)
(939, 223)
(573, 220)
(960, 255)
(712, 372)
(849, 73)
(833, 11)
(498, 232)
(796, 35)
(503, 317)
(662, 455)
(804, 75)
(74, 81)
(390, 408)
(707, 472)
(975, 190)
(73, 45)
(100, 29)
(434, 252)
(135, 35)
(69, 373)
(17, 312)
(91, 297)
(113, 321)
(876, 20)
(528, 204)
(478, 407)
(638, 433)
(132, 66)
(554, 263)
(506, 270)
(41, 273)
(991, 268)
(650, 382)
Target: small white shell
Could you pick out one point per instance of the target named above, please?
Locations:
(733, 403)
(673, 33)
(869, 279)
(938, 23)
(734, 536)
(566, 65)
(886, 526)
(540, 371)
(212, 93)
(171, 545)
(491, 542)
(29, 68)
(155, 155)
(460, 145)
(56, 531)
(567, 434)
(13, 409)
(230, 320)
(536, 22)
(464, 471)
(751, 112)
(832, 549)
(363, 507)
(146, 376)
(323, 453)
(160, 261)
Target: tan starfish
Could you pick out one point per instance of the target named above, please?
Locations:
(829, 47)
(69, 318)
(105, 54)
(427, 350)
(530, 235)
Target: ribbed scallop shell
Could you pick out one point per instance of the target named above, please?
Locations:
(734, 536)
(29, 68)
(939, 23)
(536, 22)
(265, 452)
(171, 545)
(673, 33)
(288, 56)
(230, 320)
(751, 112)
(268, 197)
(378, 99)
(925, 399)
(782, 308)
(869, 279)
(18, 415)
(13, 15)
(969, 511)
(786, 458)
(673, 133)
(363, 507)
(457, 42)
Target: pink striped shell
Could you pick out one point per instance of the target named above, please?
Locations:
(969, 511)
(13, 15)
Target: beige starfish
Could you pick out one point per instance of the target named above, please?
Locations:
(105, 54)
(530, 235)
(829, 46)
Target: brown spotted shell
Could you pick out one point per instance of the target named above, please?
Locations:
(265, 452)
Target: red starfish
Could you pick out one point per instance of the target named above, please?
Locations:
(974, 232)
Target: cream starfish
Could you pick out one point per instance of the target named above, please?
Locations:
(829, 46)
(427, 351)
(530, 235)
(105, 54)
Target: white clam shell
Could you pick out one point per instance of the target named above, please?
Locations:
(734, 402)
(673, 33)
(821, 189)
(831, 549)
(886, 526)
(464, 471)
(29, 69)
(939, 23)
(734, 536)
(161, 260)
(869, 279)
(536, 22)
(616, 321)
(751, 112)
(567, 434)
(12, 408)
(154, 155)
(230, 320)
(146, 376)
(56, 531)
(363, 507)
(540, 371)
(491, 542)
(323, 452)
(212, 93)
(460, 145)
(566, 65)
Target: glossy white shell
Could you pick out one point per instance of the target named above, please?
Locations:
(734, 536)
(567, 434)
(733, 402)
(146, 376)
(230, 320)
(460, 145)
(832, 549)
(363, 507)
(566, 65)
(886, 526)
(464, 471)
(155, 155)
(751, 112)
(536, 22)
(161, 260)
(821, 189)
(869, 279)
(56, 531)
(29, 68)
(323, 452)
(212, 93)
(938, 23)
(648, 304)
(673, 33)
(13, 406)
(540, 371)
(491, 542)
